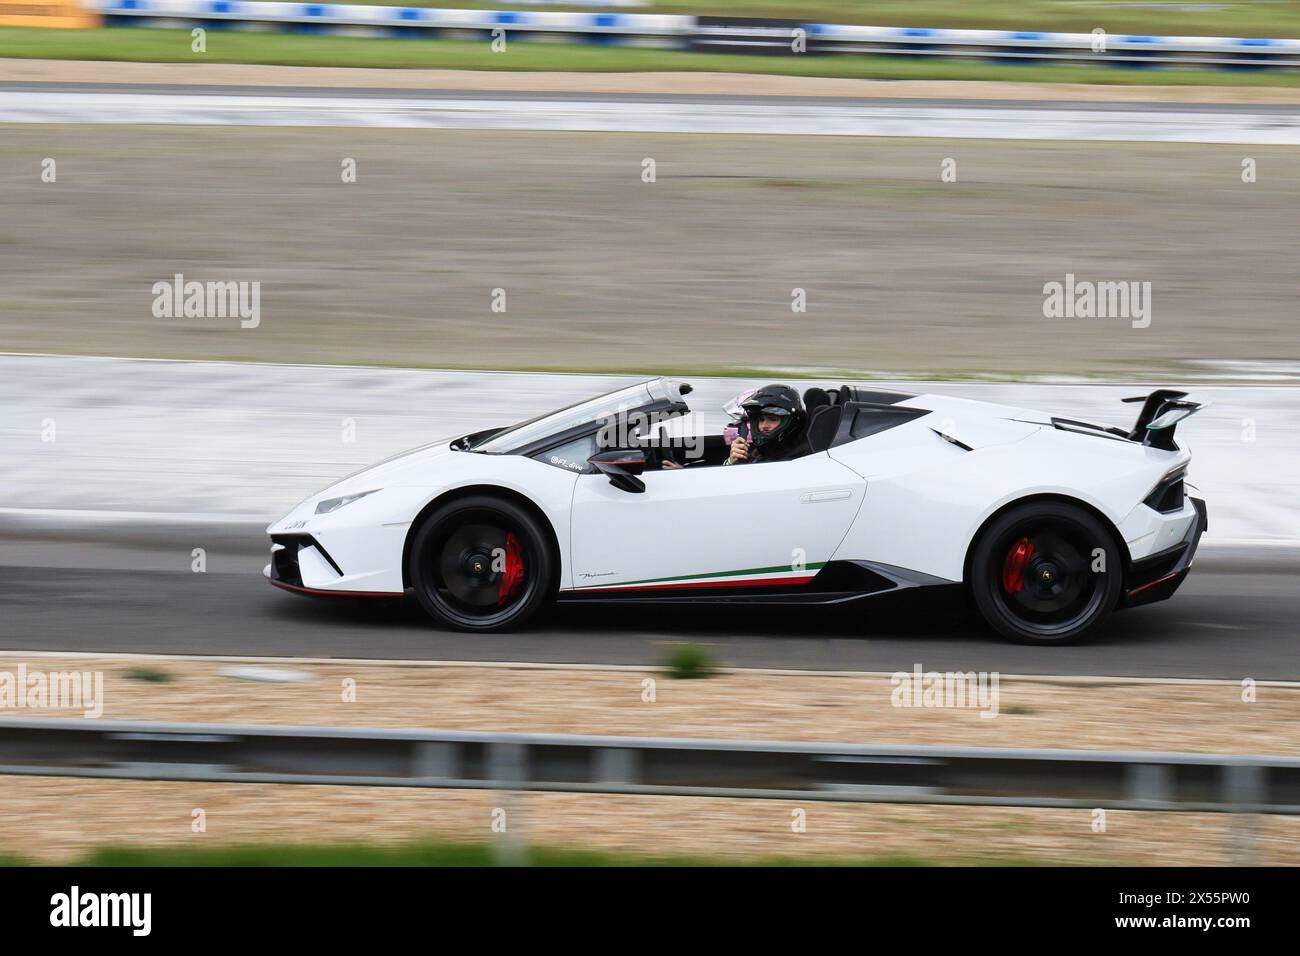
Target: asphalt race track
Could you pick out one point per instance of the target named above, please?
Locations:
(1234, 618)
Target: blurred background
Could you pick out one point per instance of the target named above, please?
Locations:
(461, 217)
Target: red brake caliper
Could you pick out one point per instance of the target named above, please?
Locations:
(1013, 570)
(512, 576)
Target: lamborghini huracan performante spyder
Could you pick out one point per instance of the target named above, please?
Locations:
(1049, 523)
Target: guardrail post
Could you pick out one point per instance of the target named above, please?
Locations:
(1243, 787)
(616, 765)
(507, 769)
(1149, 783)
(435, 760)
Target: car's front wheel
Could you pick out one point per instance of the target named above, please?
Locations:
(481, 564)
(1046, 572)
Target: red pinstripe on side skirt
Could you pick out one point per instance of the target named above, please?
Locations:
(747, 583)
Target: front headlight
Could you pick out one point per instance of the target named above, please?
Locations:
(334, 504)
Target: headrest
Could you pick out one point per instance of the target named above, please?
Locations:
(815, 398)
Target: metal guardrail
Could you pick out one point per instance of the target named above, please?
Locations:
(1244, 786)
(714, 33)
(650, 766)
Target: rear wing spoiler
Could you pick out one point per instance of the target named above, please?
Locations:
(1161, 412)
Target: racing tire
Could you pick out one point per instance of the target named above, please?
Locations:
(1046, 572)
(481, 564)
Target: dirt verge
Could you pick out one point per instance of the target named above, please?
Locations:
(74, 815)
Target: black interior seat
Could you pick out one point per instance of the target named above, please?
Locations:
(716, 450)
(713, 450)
(823, 427)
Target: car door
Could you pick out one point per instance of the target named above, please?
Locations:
(763, 524)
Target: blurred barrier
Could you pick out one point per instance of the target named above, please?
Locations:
(985, 776)
(979, 776)
(1029, 46)
(46, 13)
(717, 34)
(603, 28)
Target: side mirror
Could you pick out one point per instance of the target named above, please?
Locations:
(622, 467)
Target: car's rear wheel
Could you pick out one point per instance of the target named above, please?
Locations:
(481, 564)
(1046, 572)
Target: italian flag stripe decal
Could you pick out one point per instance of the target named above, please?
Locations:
(745, 577)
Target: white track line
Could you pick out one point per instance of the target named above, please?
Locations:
(77, 516)
(612, 115)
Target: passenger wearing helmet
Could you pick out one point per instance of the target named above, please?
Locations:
(772, 427)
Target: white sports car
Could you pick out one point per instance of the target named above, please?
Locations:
(1049, 523)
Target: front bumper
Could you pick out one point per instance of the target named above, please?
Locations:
(1157, 577)
(300, 564)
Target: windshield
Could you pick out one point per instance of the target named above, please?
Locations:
(553, 423)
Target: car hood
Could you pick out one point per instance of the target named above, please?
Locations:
(398, 469)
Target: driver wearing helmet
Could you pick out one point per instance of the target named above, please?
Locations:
(772, 427)
(768, 425)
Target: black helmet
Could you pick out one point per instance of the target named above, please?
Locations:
(780, 400)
